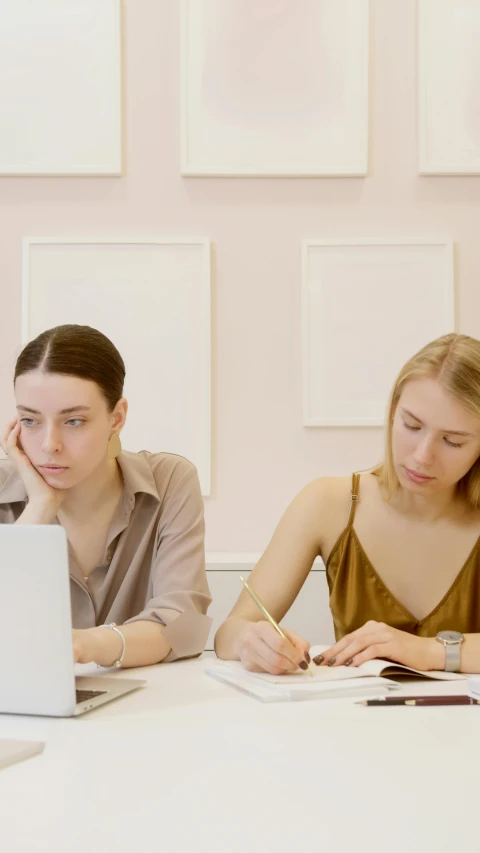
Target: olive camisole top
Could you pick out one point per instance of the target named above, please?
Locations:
(358, 594)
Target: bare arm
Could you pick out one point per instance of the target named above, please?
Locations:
(144, 645)
(278, 578)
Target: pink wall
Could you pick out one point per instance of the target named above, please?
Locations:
(261, 453)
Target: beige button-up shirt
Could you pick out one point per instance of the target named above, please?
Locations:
(154, 563)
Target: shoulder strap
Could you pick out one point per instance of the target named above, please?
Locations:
(353, 498)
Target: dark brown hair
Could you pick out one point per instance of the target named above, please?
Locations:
(76, 351)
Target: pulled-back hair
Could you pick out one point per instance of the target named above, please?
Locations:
(76, 351)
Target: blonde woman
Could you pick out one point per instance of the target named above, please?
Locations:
(400, 543)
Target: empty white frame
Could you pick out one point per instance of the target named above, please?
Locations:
(276, 88)
(449, 80)
(60, 87)
(367, 307)
(152, 299)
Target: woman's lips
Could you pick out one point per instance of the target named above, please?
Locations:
(53, 469)
(415, 477)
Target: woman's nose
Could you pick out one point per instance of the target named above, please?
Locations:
(51, 441)
(424, 451)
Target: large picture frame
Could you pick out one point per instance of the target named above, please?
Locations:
(367, 306)
(448, 80)
(276, 89)
(60, 87)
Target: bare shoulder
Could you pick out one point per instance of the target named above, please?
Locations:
(327, 493)
(324, 503)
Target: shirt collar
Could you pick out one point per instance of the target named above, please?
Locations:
(136, 472)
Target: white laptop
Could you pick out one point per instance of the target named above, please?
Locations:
(37, 674)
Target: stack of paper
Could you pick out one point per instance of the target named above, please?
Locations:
(474, 686)
(324, 684)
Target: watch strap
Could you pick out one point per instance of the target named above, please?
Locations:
(452, 657)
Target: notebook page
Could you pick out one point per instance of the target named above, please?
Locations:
(384, 667)
(318, 674)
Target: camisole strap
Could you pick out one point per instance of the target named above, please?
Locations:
(353, 498)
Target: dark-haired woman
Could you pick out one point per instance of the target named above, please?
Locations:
(134, 521)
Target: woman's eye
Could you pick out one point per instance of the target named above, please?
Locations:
(75, 422)
(452, 443)
(414, 428)
(28, 422)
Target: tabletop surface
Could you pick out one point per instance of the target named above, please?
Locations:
(187, 763)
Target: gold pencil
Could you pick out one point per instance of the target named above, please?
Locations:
(265, 612)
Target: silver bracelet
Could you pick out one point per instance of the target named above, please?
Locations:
(113, 627)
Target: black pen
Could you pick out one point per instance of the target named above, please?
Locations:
(421, 700)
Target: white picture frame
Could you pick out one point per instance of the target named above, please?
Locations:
(302, 112)
(367, 306)
(448, 75)
(160, 289)
(61, 87)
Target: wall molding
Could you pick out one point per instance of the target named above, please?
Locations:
(227, 561)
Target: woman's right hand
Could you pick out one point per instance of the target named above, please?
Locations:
(42, 498)
(262, 649)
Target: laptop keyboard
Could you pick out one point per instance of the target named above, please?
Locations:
(83, 695)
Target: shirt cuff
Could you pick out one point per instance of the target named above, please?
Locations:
(186, 633)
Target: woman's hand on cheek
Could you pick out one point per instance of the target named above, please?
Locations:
(377, 640)
(40, 494)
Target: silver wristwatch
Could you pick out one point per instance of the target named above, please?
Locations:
(452, 640)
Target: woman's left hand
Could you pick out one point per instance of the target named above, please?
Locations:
(377, 640)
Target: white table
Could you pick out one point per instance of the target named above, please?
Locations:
(189, 764)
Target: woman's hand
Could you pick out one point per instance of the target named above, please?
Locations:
(41, 497)
(98, 645)
(261, 649)
(85, 644)
(377, 640)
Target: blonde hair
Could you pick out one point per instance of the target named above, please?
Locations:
(454, 361)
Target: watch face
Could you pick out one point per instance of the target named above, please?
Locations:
(450, 636)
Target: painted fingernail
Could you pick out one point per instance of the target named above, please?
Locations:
(307, 657)
(303, 664)
(318, 659)
(349, 662)
(331, 661)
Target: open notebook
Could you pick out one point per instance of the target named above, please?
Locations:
(373, 678)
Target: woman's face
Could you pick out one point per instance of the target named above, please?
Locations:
(65, 425)
(435, 440)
